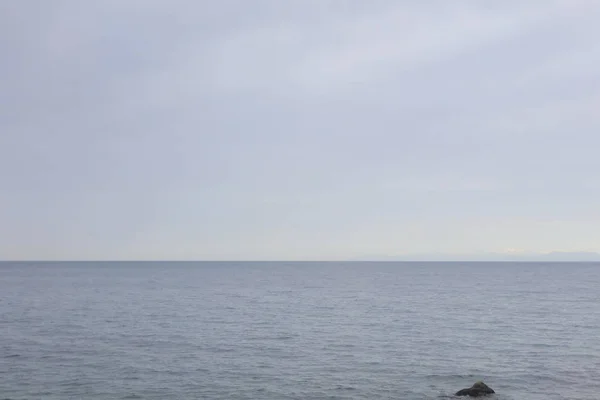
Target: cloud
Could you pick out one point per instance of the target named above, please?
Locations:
(264, 129)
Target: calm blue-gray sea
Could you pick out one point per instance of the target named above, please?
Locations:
(167, 330)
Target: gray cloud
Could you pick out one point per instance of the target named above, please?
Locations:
(298, 129)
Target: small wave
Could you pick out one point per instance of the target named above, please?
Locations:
(451, 376)
(223, 350)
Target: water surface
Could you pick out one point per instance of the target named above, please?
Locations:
(298, 330)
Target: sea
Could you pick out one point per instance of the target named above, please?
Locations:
(298, 330)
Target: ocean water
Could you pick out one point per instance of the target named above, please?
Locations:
(298, 330)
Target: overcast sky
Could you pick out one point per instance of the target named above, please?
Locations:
(297, 129)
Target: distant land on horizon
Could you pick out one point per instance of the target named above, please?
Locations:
(522, 257)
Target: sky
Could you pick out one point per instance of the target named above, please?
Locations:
(298, 129)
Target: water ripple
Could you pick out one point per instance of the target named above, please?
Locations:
(298, 331)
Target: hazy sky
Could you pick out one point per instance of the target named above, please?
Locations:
(297, 129)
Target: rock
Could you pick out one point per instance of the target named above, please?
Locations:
(478, 389)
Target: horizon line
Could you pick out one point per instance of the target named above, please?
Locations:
(302, 261)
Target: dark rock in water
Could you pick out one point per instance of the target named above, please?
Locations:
(478, 389)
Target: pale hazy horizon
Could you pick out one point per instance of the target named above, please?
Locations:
(298, 130)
